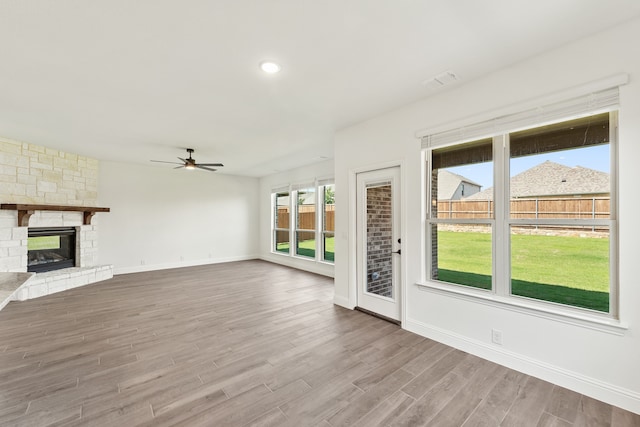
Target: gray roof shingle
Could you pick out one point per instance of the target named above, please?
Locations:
(553, 179)
(448, 183)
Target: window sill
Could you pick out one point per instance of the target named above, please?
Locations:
(306, 258)
(318, 261)
(280, 253)
(585, 320)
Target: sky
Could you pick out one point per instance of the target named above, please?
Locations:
(593, 157)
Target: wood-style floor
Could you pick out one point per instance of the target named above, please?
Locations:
(251, 343)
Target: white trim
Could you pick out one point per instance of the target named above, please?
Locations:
(352, 240)
(501, 231)
(568, 315)
(352, 252)
(614, 254)
(292, 194)
(535, 103)
(607, 392)
(320, 218)
(404, 271)
(352, 283)
(425, 211)
(588, 105)
(343, 302)
(569, 222)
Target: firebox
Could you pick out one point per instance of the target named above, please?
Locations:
(51, 248)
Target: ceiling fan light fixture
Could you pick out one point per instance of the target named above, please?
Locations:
(270, 67)
(191, 164)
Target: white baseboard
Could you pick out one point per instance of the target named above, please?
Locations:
(614, 395)
(180, 264)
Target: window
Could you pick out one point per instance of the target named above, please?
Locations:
(559, 212)
(299, 228)
(461, 230)
(306, 222)
(542, 225)
(281, 222)
(328, 221)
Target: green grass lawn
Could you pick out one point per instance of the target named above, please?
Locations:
(308, 248)
(567, 270)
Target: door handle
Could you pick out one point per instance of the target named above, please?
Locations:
(397, 252)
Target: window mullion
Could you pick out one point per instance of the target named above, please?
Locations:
(501, 262)
(614, 307)
(293, 222)
(274, 225)
(319, 222)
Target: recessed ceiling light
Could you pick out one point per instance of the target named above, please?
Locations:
(270, 67)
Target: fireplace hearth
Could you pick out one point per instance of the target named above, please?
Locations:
(51, 248)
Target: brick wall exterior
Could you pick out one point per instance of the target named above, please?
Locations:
(379, 240)
(434, 227)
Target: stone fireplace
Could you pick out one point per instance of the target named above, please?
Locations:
(15, 254)
(44, 188)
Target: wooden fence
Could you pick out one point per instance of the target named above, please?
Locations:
(547, 208)
(306, 220)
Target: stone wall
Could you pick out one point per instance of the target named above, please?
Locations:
(33, 174)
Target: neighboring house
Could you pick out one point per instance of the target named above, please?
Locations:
(452, 186)
(304, 198)
(550, 179)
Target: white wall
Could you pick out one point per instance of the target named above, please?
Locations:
(591, 361)
(165, 218)
(300, 175)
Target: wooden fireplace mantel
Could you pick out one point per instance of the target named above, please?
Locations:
(25, 211)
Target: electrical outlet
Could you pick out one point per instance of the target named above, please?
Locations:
(496, 336)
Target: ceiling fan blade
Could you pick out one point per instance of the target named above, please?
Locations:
(206, 168)
(160, 161)
(183, 160)
(179, 167)
(211, 164)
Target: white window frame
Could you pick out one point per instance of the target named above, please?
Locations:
(296, 229)
(434, 221)
(501, 223)
(292, 191)
(274, 228)
(322, 232)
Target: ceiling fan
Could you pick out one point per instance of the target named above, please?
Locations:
(190, 163)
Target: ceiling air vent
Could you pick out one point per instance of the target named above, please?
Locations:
(440, 80)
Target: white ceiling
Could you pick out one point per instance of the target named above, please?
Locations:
(132, 81)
